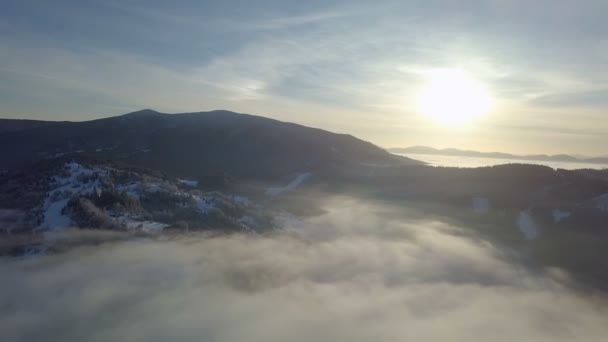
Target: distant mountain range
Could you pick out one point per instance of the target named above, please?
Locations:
(467, 153)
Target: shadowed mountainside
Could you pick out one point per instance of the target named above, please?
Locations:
(190, 144)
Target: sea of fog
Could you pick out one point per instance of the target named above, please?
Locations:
(359, 272)
(457, 161)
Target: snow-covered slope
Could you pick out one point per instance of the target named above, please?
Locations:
(102, 196)
(73, 181)
(299, 179)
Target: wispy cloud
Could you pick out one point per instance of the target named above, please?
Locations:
(577, 99)
(335, 56)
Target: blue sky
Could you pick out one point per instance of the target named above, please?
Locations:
(347, 66)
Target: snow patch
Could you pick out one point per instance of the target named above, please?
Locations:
(242, 200)
(204, 204)
(134, 223)
(601, 202)
(152, 187)
(559, 215)
(72, 181)
(190, 183)
(53, 218)
(147, 226)
(481, 205)
(57, 198)
(133, 189)
(299, 179)
(526, 225)
(34, 251)
(248, 220)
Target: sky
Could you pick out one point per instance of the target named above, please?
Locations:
(346, 66)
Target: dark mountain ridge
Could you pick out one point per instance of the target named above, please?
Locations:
(190, 144)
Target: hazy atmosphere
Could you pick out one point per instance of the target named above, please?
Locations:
(358, 273)
(303, 171)
(348, 66)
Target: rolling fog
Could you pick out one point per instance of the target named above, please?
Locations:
(360, 272)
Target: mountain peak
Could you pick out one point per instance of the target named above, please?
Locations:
(196, 144)
(143, 112)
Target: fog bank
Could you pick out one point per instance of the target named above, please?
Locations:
(354, 274)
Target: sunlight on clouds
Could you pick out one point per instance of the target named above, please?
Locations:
(356, 273)
(296, 61)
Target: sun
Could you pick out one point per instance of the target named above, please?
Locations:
(453, 96)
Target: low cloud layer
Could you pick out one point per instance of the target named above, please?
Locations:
(354, 274)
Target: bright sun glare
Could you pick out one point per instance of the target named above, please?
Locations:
(453, 96)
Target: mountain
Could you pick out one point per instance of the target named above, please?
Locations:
(196, 145)
(58, 194)
(162, 176)
(468, 153)
(154, 175)
(127, 173)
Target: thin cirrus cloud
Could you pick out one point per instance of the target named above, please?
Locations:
(77, 60)
(594, 98)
